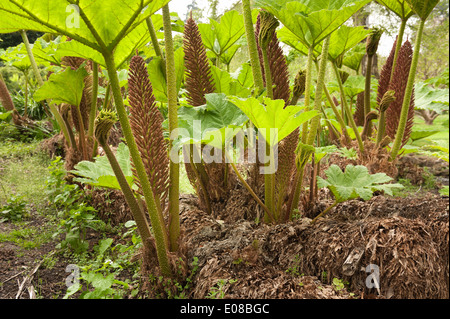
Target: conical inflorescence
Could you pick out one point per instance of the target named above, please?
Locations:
(146, 124)
(398, 85)
(199, 80)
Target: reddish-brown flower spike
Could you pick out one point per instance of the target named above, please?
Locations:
(146, 124)
(199, 80)
(358, 116)
(278, 66)
(385, 75)
(398, 84)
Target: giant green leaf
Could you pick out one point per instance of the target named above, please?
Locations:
(355, 182)
(221, 37)
(228, 55)
(428, 98)
(108, 22)
(157, 21)
(213, 124)
(110, 19)
(344, 39)
(399, 7)
(286, 36)
(354, 56)
(16, 57)
(6, 116)
(100, 173)
(224, 83)
(244, 75)
(63, 87)
(341, 41)
(133, 41)
(157, 76)
(312, 21)
(422, 8)
(273, 120)
(45, 52)
(354, 85)
(419, 133)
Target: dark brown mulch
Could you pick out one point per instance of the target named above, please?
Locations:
(407, 238)
(110, 205)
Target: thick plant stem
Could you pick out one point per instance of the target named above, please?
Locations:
(106, 101)
(255, 64)
(298, 182)
(308, 89)
(381, 127)
(398, 45)
(315, 122)
(268, 73)
(135, 208)
(174, 168)
(157, 224)
(338, 115)
(308, 79)
(269, 179)
(37, 74)
(367, 92)
(93, 111)
(309, 138)
(269, 186)
(252, 47)
(155, 43)
(408, 94)
(347, 109)
(25, 110)
(82, 136)
(71, 135)
(202, 187)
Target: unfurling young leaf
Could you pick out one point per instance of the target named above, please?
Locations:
(277, 61)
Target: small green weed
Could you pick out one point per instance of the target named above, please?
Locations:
(14, 210)
(339, 284)
(294, 270)
(444, 191)
(218, 291)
